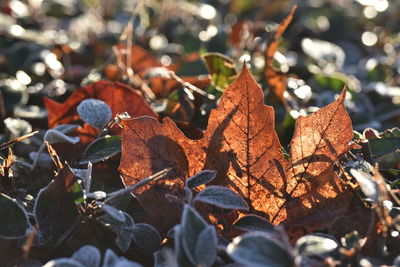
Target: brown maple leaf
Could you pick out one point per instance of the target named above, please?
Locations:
(241, 144)
(119, 97)
(276, 80)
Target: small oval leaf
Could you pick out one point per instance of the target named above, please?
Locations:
(200, 178)
(66, 128)
(206, 247)
(53, 136)
(113, 212)
(88, 256)
(192, 225)
(123, 230)
(94, 112)
(368, 186)
(180, 255)
(315, 245)
(254, 223)
(222, 197)
(101, 149)
(63, 262)
(146, 237)
(13, 218)
(258, 250)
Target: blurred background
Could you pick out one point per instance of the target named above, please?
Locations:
(52, 47)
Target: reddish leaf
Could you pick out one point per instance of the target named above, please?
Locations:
(118, 96)
(276, 80)
(238, 30)
(241, 144)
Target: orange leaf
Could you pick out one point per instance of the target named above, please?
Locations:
(241, 144)
(118, 96)
(277, 80)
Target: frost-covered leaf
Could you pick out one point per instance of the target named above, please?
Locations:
(180, 255)
(113, 212)
(146, 237)
(112, 260)
(206, 247)
(222, 197)
(129, 204)
(97, 195)
(94, 112)
(200, 178)
(254, 223)
(13, 218)
(55, 207)
(66, 128)
(101, 149)
(88, 256)
(369, 187)
(63, 262)
(123, 230)
(258, 250)
(192, 225)
(315, 245)
(53, 136)
(164, 257)
(80, 173)
(43, 160)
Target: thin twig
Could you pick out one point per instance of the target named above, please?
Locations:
(132, 188)
(189, 85)
(134, 78)
(9, 143)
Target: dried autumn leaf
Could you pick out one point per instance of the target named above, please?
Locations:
(117, 96)
(276, 80)
(241, 145)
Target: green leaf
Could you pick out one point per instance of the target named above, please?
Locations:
(222, 197)
(254, 223)
(257, 249)
(101, 149)
(13, 218)
(200, 178)
(390, 161)
(315, 245)
(221, 68)
(382, 146)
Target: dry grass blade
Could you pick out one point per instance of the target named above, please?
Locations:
(9, 143)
